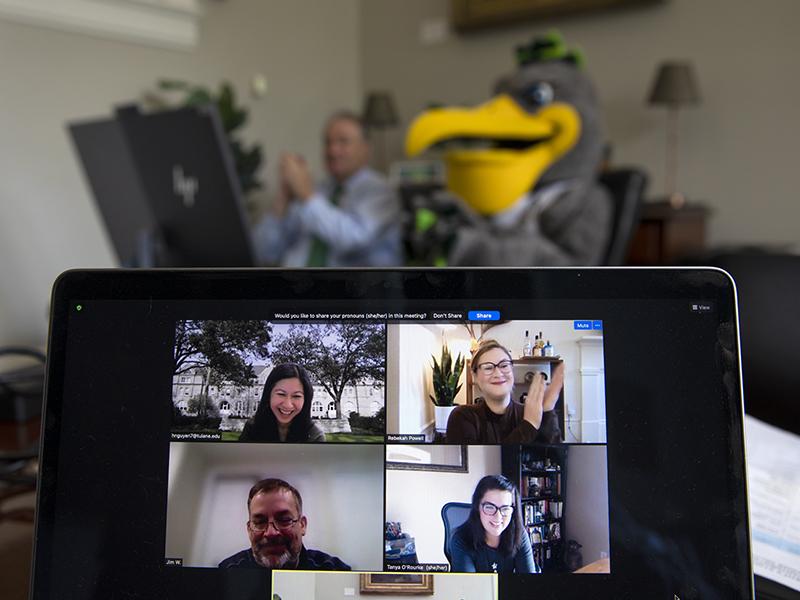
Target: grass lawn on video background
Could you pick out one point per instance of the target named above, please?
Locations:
(350, 437)
(232, 436)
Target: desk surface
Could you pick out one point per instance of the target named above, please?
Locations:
(662, 210)
(665, 234)
(599, 566)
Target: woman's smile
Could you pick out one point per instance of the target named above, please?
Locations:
(286, 400)
(497, 525)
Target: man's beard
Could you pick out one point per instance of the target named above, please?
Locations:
(276, 561)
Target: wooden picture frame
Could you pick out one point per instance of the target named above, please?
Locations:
(469, 15)
(452, 459)
(411, 584)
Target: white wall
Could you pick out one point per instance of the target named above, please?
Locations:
(738, 149)
(589, 420)
(295, 584)
(586, 506)
(410, 350)
(392, 378)
(333, 586)
(308, 51)
(415, 498)
(338, 483)
(187, 467)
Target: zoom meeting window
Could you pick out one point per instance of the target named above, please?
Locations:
(457, 444)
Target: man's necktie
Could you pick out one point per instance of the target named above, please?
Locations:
(318, 256)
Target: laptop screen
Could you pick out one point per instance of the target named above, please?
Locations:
(458, 433)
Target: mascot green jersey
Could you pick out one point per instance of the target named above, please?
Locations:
(523, 167)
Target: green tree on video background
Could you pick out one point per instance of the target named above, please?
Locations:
(222, 350)
(337, 355)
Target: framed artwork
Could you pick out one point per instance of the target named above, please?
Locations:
(444, 458)
(412, 584)
(468, 15)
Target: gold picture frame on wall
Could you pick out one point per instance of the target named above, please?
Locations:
(469, 15)
(411, 584)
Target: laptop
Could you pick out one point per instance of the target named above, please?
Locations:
(166, 186)
(469, 433)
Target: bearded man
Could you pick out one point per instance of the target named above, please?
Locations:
(276, 527)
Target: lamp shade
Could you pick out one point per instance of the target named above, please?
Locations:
(379, 110)
(675, 85)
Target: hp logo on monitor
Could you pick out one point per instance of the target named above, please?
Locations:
(183, 186)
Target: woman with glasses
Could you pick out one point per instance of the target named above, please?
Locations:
(496, 418)
(284, 414)
(493, 538)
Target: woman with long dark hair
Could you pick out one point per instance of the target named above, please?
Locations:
(284, 414)
(493, 538)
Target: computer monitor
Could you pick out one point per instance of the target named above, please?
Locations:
(114, 181)
(166, 187)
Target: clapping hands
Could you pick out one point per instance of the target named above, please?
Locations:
(295, 175)
(541, 397)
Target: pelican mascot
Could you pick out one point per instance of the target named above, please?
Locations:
(522, 168)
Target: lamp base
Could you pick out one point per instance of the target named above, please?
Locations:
(677, 200)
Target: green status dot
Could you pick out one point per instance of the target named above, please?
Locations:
(79, 307)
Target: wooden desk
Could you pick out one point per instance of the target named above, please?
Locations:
(666, 234)
(599, 566)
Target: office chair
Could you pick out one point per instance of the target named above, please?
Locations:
(453, 515)
(20, 400)
(768, 289)
(626, 187)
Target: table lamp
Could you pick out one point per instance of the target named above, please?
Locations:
(380, 113)
(675, 86)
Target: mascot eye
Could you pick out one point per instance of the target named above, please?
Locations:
(538, 94)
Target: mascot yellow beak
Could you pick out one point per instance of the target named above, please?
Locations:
(500, 150)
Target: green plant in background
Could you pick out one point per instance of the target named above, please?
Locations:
(247, 159)
(446, 374)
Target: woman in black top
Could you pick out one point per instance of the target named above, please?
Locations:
(496, 418)
(284, 414)
(493, 538)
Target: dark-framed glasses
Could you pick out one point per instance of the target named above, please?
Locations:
(489, 367)
(281, 524)
(490, 509)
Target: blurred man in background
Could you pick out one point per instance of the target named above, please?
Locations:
(351, 220)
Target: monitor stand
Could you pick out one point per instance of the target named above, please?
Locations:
(150, 250)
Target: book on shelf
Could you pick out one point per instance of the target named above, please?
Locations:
(541, 486)
(541, 510)
(546, 465)
(544, 533)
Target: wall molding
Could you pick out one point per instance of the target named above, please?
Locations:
(169, 24)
